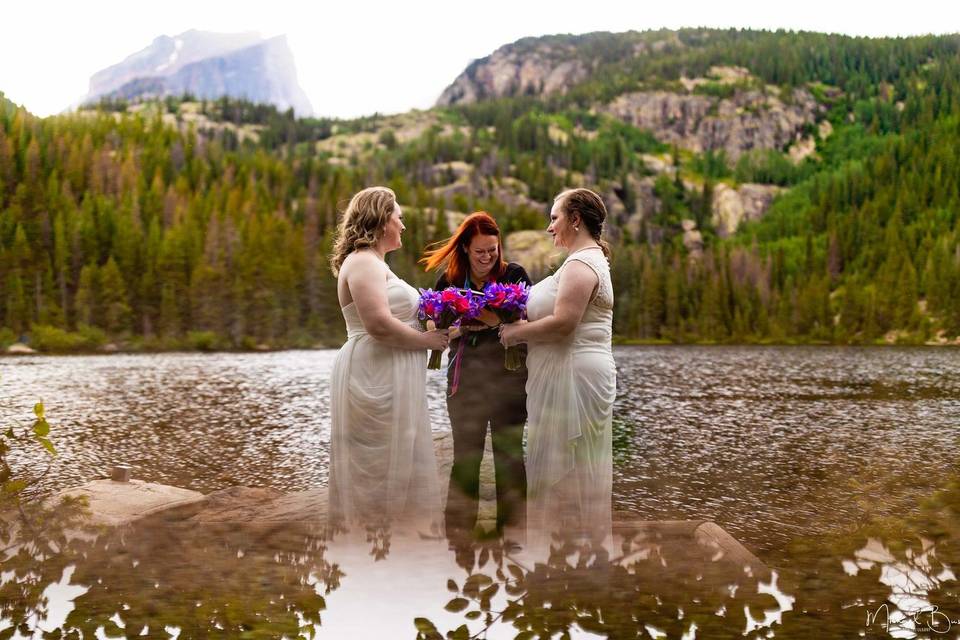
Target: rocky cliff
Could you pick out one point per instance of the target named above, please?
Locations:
(509, 72)
(750, 119)
(725, 109)
(551, 64)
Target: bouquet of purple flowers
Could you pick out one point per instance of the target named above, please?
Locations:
(447, 308)
(509, 302)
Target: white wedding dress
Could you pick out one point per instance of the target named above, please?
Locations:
(571, 387)
(383, 471)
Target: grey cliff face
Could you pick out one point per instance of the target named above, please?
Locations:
(748, 120)
(551, 64)
(508, 72)
(208, 66)
(753, 117)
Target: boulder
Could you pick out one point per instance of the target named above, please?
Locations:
(454, 218)
(721, 75)
(646, 205)
(257, 505)
(508, 191)
(115, 503)
(658, 164)
(727, 209)
(731, 206)
(801, 149)
(616, 211)
(534, 250)
(269, 510)
(692, 239)
(457, 169)
(449, 192)
(19, 348)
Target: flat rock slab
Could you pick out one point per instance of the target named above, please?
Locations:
(705, 535)
(254, 505)
(257, 508)
(114, 503)
(20, 348)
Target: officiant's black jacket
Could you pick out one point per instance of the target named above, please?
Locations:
(482, 367)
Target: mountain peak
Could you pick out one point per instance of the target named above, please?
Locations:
(208, 65)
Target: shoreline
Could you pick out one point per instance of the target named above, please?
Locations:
(616, 343)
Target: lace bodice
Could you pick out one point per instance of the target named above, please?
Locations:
(596, 260)
(596, 325)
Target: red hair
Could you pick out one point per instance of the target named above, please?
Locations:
(452, 252)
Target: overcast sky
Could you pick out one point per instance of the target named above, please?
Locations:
(356, 57)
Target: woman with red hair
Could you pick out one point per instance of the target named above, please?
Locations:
(480, 390)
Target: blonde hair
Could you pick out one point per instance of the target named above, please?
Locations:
(589, 206)
(362, 223)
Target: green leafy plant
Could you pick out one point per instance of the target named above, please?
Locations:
(17, 484)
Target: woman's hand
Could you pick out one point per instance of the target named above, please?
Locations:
(477, 324)
(459, 330)
(488, 318)
(436, 339)
(509, 333)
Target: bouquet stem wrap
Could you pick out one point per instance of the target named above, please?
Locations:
(445, 309)
(509, 302)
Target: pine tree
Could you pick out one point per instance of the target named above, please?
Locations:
(113, 299)
(87, 301)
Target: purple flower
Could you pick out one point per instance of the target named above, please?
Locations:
(431, 306)
(445, 309)
(508, 301)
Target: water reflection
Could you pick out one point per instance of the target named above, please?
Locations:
(815, 459)
(657, 582)
(159, 579)
(907, 610)
(164, 577)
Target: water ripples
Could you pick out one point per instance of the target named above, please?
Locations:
(770, 442)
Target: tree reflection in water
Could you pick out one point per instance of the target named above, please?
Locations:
(38, 550)
(665, 586)
(658, 582)
(160, 578)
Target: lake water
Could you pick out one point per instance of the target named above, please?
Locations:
(769, 442)
(781, 446)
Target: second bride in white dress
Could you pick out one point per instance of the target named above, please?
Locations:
(383, 471)
(571, 384)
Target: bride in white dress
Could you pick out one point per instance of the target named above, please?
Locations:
(571, 384)
(383, 470)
